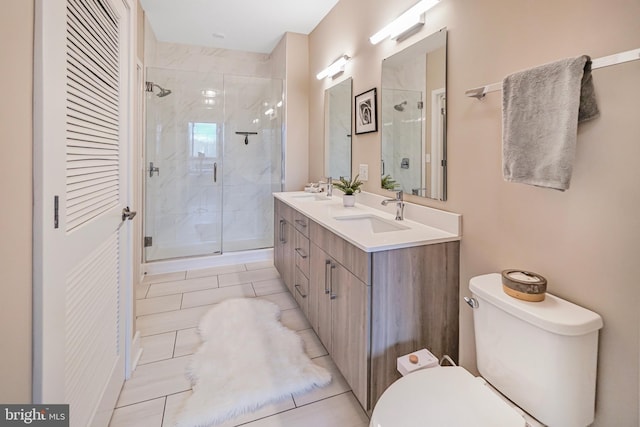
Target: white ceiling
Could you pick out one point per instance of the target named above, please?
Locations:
(247, 25)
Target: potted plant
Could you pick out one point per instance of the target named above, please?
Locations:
(349, 188)
(389, 183)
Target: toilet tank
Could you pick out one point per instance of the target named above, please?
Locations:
(541, 355)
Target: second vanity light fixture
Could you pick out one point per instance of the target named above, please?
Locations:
(336, 67)
(405, 24)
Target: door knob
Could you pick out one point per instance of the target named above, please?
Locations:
(128, 214)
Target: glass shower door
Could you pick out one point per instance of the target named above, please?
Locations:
(184, 147)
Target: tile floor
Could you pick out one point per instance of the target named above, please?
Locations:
(169, 307)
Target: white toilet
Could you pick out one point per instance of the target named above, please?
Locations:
(541, 356)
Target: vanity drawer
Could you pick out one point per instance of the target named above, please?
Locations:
(354, 259)
(283, 211)
(301, 250)
(301, 223)
(301, 291)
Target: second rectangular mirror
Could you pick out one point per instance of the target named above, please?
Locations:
(414, 122)
(337, 130)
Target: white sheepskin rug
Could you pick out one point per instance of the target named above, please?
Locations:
(247, 360)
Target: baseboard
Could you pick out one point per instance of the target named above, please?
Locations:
(136, 354)
(110, 395)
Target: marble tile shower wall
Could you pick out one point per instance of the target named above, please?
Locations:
(403, 129)
(210, 60)
(185, 208)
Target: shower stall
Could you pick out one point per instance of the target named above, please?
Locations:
(213, 157)
(403, 149)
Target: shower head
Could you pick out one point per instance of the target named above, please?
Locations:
(163, 92)
(400, 107)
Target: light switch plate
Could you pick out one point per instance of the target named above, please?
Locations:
(364, 173)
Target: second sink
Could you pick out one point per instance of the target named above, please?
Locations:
(371, 223)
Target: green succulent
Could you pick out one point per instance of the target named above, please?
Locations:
(349, 187)
(389, 183)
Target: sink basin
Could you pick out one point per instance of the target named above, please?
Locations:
(371, 223)
(310, 197)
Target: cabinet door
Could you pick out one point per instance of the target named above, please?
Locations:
(279, 238)
(278, 243)
(319, 302)
(316, 288)
(350, 328)
(283, 255)
(288, 256)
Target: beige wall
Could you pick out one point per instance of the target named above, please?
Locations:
(16, 120)
(585, 241)
(138, 165)
(289, 61)
(297, 111)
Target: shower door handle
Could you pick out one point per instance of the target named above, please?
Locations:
(215, 171)
(153, 169)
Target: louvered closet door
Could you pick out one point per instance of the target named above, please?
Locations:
(81, 260)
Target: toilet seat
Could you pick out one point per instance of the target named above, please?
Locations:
(442, 397)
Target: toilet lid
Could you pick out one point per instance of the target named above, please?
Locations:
(442, 397)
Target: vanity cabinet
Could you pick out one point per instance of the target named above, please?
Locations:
(369, 308)
(284, 243)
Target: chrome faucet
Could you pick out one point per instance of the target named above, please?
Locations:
(399, 205)
(329, 187)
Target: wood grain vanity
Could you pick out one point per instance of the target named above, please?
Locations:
(368, 307)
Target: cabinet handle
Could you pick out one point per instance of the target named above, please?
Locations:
(298, 290)
(331, 294)
(302, 254)
(301, 223)
(282, 239)
(327, 263)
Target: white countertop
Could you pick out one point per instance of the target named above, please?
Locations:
(423, 225)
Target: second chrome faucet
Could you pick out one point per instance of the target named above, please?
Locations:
(399, 200)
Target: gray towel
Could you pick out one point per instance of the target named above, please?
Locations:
(541, 108)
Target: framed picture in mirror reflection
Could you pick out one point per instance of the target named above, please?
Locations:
(366, 115)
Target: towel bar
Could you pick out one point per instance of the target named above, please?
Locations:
(605, 61)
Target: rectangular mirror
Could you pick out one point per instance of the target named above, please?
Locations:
(337, 130)
(414, 119)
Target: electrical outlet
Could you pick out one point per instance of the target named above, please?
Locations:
(364, 173)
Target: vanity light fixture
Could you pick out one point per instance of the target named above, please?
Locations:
(405, 24)
(336, 67)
